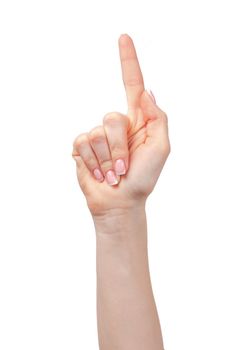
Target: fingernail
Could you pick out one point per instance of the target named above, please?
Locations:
(120, 167)
(111, 178)
(150, 93)
(98, 174)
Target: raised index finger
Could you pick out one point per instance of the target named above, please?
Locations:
(131, 72)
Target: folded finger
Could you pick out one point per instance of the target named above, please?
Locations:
(116, 127)
(84, 149)
(101, 149)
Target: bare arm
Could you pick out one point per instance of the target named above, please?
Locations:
(116, 197)
(127, 315)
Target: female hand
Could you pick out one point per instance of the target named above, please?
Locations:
(139, 140)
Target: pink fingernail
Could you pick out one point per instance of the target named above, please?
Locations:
(150, 93)
(111, 178)
(120, 167)
(98, 174)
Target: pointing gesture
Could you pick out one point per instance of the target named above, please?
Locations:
(119, 162)
(131, 72)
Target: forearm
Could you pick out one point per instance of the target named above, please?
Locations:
(126, 310)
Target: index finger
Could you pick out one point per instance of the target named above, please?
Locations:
(131, 71)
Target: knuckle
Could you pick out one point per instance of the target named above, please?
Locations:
(133, 81)
(91, 163)
(79, 140)
(105, 164)
(97, 134)
(111, 118)
(118, 151)
(115, 119)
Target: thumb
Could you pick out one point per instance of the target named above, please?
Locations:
(150, 109)
(156, 120)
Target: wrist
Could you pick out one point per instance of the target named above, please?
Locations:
(121, 237)
(120, 221)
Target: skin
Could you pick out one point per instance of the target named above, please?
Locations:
(126, 312)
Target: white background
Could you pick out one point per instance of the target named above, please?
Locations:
(59, 75)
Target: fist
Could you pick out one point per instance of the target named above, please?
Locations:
(119, 162)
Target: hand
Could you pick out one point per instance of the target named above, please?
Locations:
(140, 139)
